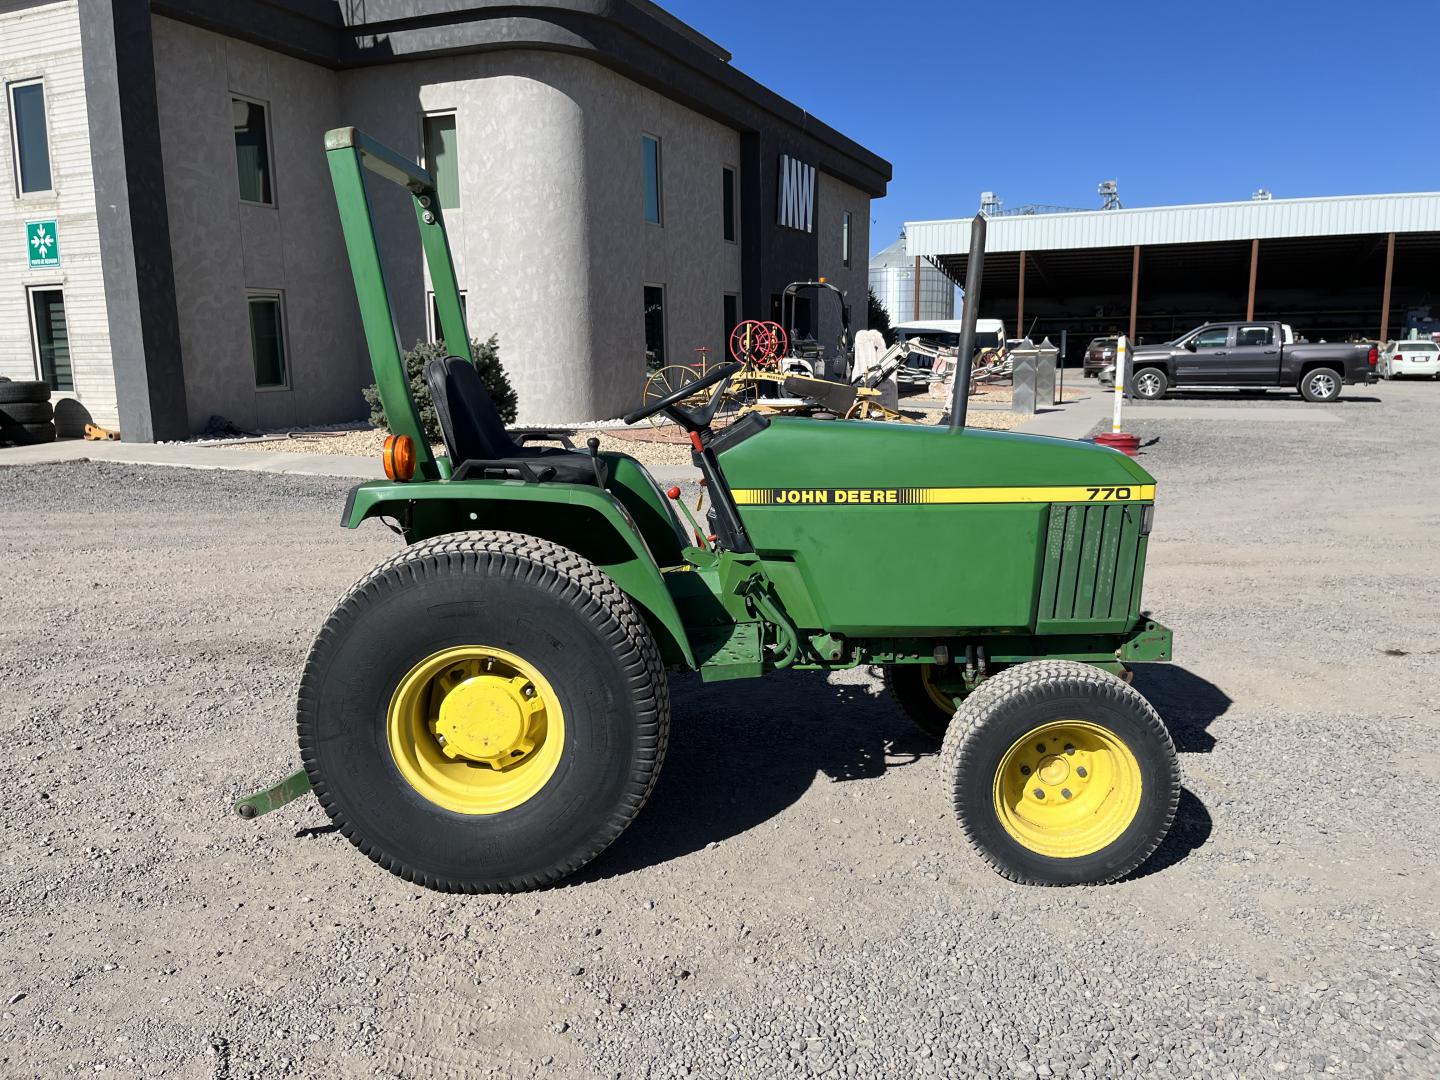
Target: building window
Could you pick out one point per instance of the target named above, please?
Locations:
(651, 147)
(50, 336)
(655, 325)
(845, 238)
(31, 138)
(267, 341)
(252, 151)
(728, 185)
(433, 327)
(732, 318)
(442, 158)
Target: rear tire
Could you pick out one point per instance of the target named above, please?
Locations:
(1320, 384)
(598, 729)
(27, 390)
(27, 434)
(919, 699)
(1061, 774)
(1149, 384)
(20, 413)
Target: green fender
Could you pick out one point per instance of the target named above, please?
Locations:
(583, 518)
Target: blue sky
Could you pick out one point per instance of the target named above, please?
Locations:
(1179, 101)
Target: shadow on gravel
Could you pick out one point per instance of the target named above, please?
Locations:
(1188, 703)
(1191, 828)
(742, 752)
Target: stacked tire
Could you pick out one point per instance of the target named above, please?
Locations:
(26, 416)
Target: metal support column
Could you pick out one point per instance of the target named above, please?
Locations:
(915, 312)
(1020, 301)
(1254, 267)
(1385, 296)
(1134, 289)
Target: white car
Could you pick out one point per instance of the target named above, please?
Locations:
(1410, 358)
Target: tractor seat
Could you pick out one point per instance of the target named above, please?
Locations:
(480, 447)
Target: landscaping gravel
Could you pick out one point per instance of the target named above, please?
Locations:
(795, 900)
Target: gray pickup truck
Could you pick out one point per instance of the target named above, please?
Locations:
(1250, 354)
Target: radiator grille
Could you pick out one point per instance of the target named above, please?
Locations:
(1094, 565)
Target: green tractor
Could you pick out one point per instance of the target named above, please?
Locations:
(488, 709)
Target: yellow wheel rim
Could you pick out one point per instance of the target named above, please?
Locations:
(476, 730)
(942, 700)
(1067, 789)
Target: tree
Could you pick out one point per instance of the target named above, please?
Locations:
(880, 318)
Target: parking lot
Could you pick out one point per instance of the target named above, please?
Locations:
(796, 899)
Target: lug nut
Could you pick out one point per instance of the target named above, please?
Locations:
(1080, 772)
(1065, 792)
(1040, 749)
(1069, 749)
(1024, 770)
(1039, 793)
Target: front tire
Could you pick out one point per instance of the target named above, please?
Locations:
(1149, 384)
(484, 712)
(1061, 774)
(1320, 384)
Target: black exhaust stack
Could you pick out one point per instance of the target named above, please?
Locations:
(960, 402)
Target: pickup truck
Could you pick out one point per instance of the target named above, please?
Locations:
(1250, 354)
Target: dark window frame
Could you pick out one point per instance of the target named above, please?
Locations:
(647, 139)
(663, 352)
(425, 118)
(268, 164)
(277, 297)
(730, 203)
(32, 295)
(11, 87)
(432, 314)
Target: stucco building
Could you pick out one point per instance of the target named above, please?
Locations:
(615, 189)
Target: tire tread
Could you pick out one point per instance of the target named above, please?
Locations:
(596, 598)
(1034, 680)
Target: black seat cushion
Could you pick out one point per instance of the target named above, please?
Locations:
(479, 445)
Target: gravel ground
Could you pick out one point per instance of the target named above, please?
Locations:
(795, 900)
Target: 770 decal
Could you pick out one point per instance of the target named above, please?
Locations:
(1109, 494)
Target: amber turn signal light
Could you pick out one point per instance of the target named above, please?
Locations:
(399, 457)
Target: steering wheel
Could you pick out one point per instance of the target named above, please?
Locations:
(690, 420)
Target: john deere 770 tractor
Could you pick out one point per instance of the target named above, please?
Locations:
(487, 710)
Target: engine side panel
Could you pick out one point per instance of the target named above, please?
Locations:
(901, 529)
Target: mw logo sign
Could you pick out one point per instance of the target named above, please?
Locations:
(797, 194)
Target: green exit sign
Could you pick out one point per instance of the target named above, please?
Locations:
(42, 242)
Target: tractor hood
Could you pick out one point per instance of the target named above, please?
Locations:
(885, 525)
(800, 453)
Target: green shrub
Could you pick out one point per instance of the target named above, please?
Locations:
(879, 318)
(487, 362)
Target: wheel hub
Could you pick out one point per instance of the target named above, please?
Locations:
(1053, 770)
(487, 719)
(475, 729)
(1067, 789)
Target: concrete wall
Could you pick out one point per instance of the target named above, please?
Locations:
(43, 40)
(550, 242)
(833, 199)
(223, 248)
